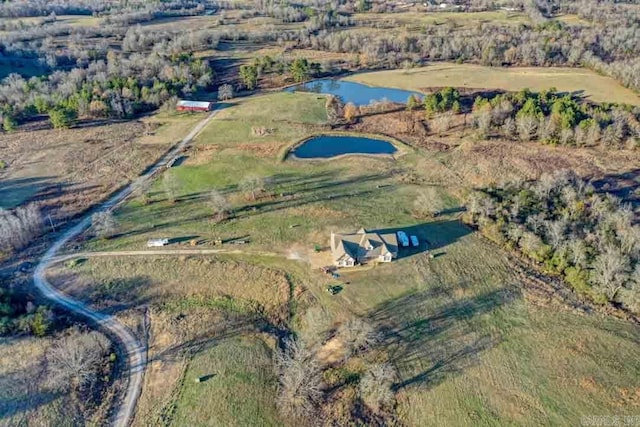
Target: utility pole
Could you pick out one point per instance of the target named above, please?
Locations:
(53, 227)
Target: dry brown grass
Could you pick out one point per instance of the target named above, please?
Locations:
(191, 303)
(263, 150)
(70, 170)
(25, 396)
(481, 163)
(458, 158)
(177, 283)
(593, 86)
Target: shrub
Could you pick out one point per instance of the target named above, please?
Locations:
(577, 278)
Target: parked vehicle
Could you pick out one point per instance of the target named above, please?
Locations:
(333, 290)
(403, 239)
(152, 243)
(414, 241)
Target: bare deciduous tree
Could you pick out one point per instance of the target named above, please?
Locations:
(509, 128)
(375, 388)
(252, 184)
(358, 335)
(442, 122)
(300, 383)
(350, 111)
(219, 205)
(19, 227)
(610, 272)
(334, 108)
(428, 202)
(555, 232)
(527, 126)
(171, 186)
(482, 121)
(566, 136)
(104, 224)
(73, 360)
(225, 92)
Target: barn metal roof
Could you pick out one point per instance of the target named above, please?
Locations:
(194, 104)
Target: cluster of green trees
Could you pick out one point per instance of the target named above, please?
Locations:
(547, 116)
(562, 223)
(118, 87)
(300, 69)
(554, 118)
(18, 317)
(447, 99)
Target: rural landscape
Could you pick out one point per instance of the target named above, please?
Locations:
(319, 213)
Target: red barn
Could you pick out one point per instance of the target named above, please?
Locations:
(194, 105)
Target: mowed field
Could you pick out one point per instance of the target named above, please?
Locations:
(471, 341)
(582, 82)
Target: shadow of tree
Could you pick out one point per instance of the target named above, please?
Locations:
(109, 296)
(428, 336)
(290, 191)
(625, 185)
(25, 403)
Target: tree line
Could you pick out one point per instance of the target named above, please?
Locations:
(300, 70)
(547, 116)
(568, 228)
(115, 87)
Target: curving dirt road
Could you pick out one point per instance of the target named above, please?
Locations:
(132, 349)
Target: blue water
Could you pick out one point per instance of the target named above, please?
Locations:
(357, 93)
(326, 146)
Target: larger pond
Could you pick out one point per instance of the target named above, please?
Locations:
(354, 92)
(326, 146)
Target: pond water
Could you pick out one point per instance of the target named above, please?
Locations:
(354, 92)
(326, 146)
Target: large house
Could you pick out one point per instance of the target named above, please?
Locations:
(363, 246)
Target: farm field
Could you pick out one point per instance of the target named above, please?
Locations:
(71, 169)
(148, 279)
(199, 308)
(459, 19)
(332, 194)
(239, 392)
(73, 20)
(579, 81)
(472, 342)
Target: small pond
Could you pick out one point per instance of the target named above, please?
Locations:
(326, 146)
(354, 92)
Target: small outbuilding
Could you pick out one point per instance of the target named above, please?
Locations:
(184, 105)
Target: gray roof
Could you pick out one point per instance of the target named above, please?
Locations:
(194, 104)
(363, 245)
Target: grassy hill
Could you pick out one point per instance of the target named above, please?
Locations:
(471, 341)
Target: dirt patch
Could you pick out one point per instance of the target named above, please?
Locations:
(629, 396)
(332, 351)
(201, 155)
(262, 149)
(589, 384)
